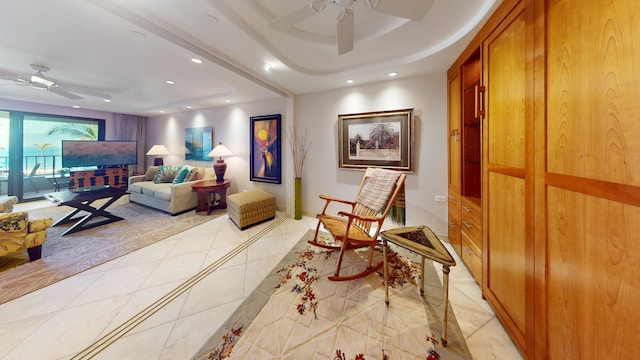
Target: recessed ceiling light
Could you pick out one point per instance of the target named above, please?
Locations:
(349, 81)
(267, 67)
(197, 61)
(161, 111)
(227, 101)
(170, 82)
(76, 107)
(392, 74)
(107, 100)
(188, 106)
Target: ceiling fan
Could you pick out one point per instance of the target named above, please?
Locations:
(408, 9)
(39, 80)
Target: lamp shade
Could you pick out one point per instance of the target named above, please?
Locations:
(219, 151)
(158, 150)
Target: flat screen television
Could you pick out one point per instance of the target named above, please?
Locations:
(87, 153)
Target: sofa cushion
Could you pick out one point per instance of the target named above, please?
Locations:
(151, 173)
(180, 178)
(163, 193)
(193, 175)
(150, 188)
(166, 173)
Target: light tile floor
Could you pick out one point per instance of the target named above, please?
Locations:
(165, 300)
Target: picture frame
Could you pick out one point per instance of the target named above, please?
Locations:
(266, 158)
(198, 142)
(381, 139)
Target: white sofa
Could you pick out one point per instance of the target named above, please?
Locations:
(170, 197)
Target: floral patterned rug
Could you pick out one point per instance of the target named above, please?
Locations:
(297, 313)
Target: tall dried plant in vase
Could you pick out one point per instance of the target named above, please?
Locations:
(299, 150)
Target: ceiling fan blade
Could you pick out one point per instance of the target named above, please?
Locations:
(288, 20)
(83, 90)
(345, 31)
(408, 9)
(56, 90)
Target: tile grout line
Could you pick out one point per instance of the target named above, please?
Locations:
(115, 334)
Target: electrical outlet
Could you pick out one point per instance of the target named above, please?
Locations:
(441, 198)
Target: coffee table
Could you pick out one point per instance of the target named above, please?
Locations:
(81, 201)
(424, 242)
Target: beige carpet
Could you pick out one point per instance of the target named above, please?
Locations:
(297, 313)
(64, 256)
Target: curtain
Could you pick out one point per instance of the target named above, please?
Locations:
(132, 127)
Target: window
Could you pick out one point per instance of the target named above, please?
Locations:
(30, 150)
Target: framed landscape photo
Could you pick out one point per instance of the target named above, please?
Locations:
(266, 158)
(376, 139)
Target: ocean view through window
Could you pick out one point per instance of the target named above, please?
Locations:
(31, 150)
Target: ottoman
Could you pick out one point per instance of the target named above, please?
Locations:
(251, 207)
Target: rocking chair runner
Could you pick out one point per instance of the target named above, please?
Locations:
(378, 191)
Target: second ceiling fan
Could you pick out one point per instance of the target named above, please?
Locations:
(408, 9)
(41, 81)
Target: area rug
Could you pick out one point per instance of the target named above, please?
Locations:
(64, 256)
(297, 313)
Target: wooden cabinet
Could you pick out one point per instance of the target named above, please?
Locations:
(471, 234)
(465, 162)
(560, 185)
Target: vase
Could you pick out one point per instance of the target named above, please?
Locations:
(298, 198)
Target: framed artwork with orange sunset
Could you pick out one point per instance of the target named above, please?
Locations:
(266, 158)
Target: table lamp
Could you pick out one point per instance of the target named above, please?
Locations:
(219, 166)
(158, 151)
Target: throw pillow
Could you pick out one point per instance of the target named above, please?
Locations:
(151, 173)
(180, 178)
(192, 175)
(166, 174)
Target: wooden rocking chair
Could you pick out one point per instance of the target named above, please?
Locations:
(378, 190)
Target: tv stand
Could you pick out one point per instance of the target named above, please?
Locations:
(116, 177)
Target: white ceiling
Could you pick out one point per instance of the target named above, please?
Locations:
(129, 48)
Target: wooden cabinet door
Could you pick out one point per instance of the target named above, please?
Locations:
(507, 284)
(455, 110)
(454, 116)
(592, 180)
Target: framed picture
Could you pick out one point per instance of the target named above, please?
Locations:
(198, 142)
(376, 139)
(266, 159)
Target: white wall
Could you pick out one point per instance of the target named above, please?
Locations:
(427, 95)
(231, 126)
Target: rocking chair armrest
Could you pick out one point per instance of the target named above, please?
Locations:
(352, 216)
(331, 198)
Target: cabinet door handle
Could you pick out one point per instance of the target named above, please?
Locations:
(467, 225)
(479, 99)
(466, 208)
(452, 225)
(468, 251)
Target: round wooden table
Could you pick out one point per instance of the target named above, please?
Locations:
(211, 194)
